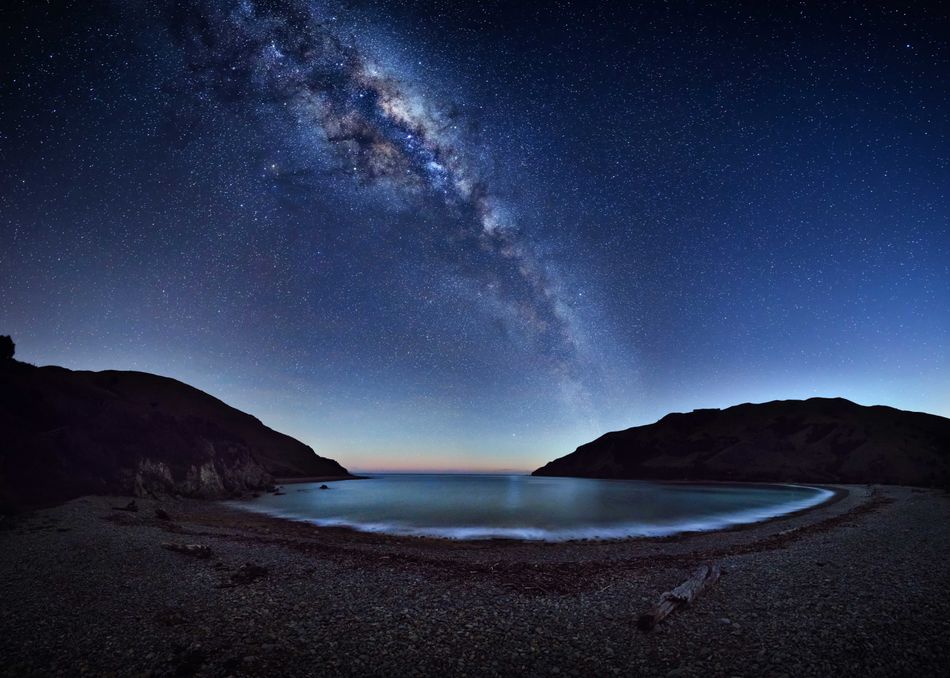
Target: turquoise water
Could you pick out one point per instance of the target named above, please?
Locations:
(525, 507)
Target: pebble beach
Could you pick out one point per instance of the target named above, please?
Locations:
(857, 586)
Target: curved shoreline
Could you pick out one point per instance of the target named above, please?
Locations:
(623, 533)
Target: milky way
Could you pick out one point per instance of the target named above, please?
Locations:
(339, 100)
(430, 234)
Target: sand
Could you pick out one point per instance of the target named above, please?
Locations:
(857, 586)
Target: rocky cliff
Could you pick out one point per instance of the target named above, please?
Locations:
(815, 440)
(64, 433)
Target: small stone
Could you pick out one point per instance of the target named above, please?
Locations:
(247, 573)
(196, 550)
(131, 507)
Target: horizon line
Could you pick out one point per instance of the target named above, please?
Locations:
(450, 471)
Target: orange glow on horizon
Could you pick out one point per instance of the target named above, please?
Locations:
(420, 466)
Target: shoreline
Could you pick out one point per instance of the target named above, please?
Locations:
(304, 527)
(838, 492)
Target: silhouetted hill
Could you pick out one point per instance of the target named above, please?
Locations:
(815, 440)
(64, 433)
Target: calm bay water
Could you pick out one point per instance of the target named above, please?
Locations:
(524, 507)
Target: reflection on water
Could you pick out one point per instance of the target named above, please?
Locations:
(525, 507)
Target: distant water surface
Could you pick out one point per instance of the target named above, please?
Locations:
(526, 507)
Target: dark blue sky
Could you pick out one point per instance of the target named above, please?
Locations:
(475, 235)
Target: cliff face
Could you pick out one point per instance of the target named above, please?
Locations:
(815, 440)
(66, 433)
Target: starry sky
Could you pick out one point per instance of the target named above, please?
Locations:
(452, 235)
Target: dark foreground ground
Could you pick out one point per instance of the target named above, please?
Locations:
(857, 587)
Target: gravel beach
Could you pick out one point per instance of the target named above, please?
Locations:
(858, 586)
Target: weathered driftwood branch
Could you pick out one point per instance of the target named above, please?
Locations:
(682, 595)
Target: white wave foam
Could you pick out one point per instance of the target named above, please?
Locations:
(598, 532)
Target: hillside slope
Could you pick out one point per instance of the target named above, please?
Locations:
(815, 440)
(64, 433)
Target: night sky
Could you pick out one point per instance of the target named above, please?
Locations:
(473, 235)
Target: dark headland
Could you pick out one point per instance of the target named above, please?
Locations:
(819, 440)
(69, 433)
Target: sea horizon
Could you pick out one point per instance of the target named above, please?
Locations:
(448, 472)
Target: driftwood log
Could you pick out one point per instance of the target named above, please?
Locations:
(682, 595)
